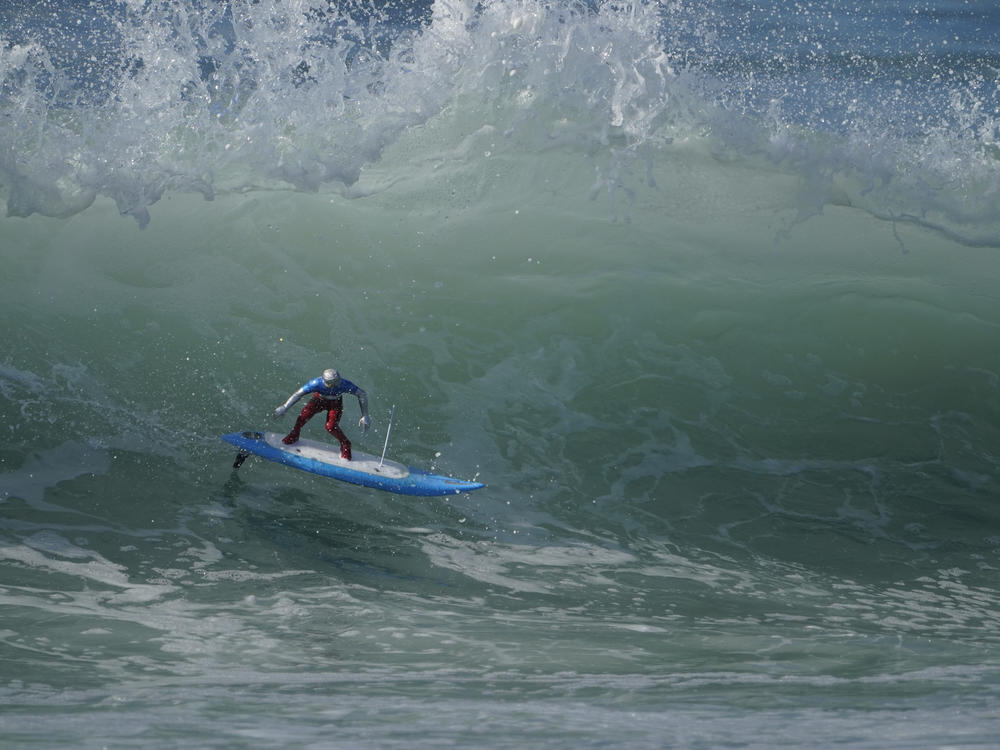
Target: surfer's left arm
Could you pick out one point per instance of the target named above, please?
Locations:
(365, 422)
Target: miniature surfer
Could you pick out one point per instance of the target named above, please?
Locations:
(328, 392)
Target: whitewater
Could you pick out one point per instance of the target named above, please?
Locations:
(704, 293)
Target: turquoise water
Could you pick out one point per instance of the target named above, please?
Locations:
(712, 316)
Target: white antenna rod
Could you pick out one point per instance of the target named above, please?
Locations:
(388, 429)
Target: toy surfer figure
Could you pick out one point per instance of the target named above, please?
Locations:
(328, 392)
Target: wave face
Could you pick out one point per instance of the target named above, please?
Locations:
(704, 293)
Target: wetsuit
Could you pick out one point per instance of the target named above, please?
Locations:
(329, 399)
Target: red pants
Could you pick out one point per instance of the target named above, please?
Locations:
(333, 409)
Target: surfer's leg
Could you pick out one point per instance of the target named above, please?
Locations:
(333, 427)
(307, 413)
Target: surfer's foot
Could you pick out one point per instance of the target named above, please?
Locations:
(345, 455)
(290, 439)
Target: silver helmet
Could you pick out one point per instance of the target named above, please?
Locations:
(331, 377)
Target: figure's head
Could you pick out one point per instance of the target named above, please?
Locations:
(331, 378)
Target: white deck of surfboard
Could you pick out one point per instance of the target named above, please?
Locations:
(328, 453)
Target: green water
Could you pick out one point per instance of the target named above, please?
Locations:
(740, 467)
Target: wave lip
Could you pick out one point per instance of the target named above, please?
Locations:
(203, 98)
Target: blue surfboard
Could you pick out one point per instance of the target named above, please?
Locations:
(364, 469)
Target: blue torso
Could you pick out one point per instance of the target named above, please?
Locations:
(317, 386)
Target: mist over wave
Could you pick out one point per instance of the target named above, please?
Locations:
(140, 99)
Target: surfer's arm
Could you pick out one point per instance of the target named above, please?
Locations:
(288, 404)
(365, 422)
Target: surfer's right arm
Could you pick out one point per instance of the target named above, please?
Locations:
(288, 404)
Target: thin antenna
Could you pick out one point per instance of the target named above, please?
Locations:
(388, 429)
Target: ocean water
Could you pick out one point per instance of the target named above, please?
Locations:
(706, 293)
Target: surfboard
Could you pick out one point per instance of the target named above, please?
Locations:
(364, 469)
